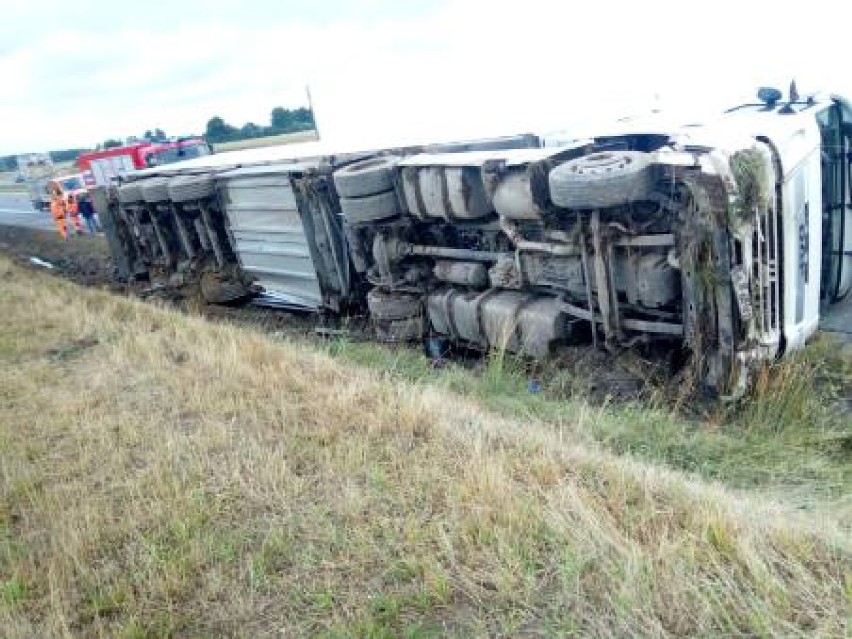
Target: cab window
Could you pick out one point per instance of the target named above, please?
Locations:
(835, 190)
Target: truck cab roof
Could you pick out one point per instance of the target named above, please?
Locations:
(791, 128)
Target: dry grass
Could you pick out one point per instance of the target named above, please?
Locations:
(163, 476)
(270, 140)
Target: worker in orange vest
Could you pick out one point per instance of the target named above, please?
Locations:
(74, 213)
(57, 209)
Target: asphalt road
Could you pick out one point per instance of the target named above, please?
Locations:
(16, 210)
(838, 318)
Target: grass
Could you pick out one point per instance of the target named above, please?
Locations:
(788, 438)
(164, 476)
(271, 140)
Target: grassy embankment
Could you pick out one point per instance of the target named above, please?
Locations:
(271, 140)
(161, 475)
(791, 438)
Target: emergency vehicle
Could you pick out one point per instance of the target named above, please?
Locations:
(110, 164)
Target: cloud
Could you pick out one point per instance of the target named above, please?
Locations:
(80, 77)
(77, 73)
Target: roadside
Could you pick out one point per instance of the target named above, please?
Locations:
(9, 185)
(163, 475)
(82, 259)
(16, 211)
(790, 439)
(270, 140)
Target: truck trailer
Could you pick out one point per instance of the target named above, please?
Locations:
(718, 241)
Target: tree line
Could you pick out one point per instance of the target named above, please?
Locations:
(281, 120)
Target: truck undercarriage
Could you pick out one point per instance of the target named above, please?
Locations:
(618, 242)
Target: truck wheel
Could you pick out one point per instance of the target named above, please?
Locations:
(600, 180)
(190, 187)
(129, 193)
(381, 206)
(366, 177)
(154, 189)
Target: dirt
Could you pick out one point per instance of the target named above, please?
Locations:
(82, 259)
(86, 260)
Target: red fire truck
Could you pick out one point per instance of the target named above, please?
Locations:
(110, 164)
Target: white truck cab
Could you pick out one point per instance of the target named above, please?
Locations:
(767, 202)
(809, 142)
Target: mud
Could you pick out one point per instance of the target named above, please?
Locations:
(82, 259)
(86, 260)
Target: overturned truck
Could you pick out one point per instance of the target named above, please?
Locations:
(719, 241)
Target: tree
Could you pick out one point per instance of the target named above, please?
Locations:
(287, 121)
(251, 130)
(66, 155)
(280, 119)
(220, 131)
(155, 135)
(304, 116)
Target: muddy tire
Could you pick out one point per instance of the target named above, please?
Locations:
(154, 189)
(393, 306)
(371, 208)
(129, 193)
(188, 188)
(366, 177)
(601, 180)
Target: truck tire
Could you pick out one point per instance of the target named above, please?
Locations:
(370, 208)
(386, 306)
(601, 180)
(129, 193)
(155, 189)
(366, 177)
(190, 187)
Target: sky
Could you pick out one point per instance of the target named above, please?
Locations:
(76, 73)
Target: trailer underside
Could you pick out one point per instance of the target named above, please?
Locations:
(614, 242)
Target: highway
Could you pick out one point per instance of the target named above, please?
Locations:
(16, 210)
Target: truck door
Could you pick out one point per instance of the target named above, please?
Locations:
(836, 131)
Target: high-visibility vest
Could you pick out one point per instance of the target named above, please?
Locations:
(57, 207)
(72, 206)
